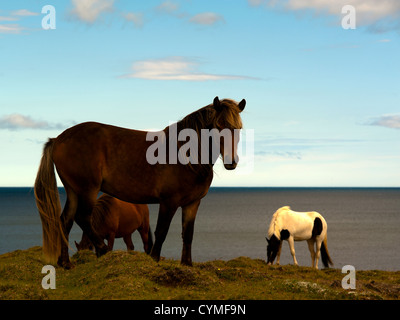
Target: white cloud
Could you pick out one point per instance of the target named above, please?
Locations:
(11, 28)
(89, 10)
(379, 15)
(18, 121)
(389, 121)
(174, 68)
(136, 18)
(207, 18)
(3, 18)
(24, 13)
(168, 7)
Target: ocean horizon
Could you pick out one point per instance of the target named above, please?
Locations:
(362, 222)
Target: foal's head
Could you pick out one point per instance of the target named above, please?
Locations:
(85, 244)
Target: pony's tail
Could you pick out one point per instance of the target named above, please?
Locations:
(326, 259)
(49, 205)
(149, 241)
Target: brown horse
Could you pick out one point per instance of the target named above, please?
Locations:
(92, 157)
(113, 218)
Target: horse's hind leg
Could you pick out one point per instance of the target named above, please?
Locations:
(67, 220)
(317, 251)
(310, 243)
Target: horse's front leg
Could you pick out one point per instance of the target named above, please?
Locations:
(278, 256)
(291, 246)
(165, 215)
(188, 217)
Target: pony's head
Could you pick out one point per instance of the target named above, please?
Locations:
(228, 122)
(272, 248)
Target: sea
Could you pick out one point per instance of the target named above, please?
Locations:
(363, 224)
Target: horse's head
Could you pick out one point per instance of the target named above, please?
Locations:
(272, 248)
(228, 122)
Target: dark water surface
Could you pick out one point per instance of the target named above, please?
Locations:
(363, 224)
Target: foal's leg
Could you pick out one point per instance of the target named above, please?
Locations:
(67, 220)
(128, 242)
(144, 234)
(110, 241)
(165, 215)
(291, 245)
(188, 217)
(310, 243)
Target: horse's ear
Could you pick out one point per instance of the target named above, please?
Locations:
(241, 105)
(217, 104)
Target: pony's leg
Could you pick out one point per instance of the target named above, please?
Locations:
(165, 215)
(128, 242)
(278, 256)
(310, 243)
(188, 217)
(291, 246)
(318, 252)
(83, 218)
(67, 220)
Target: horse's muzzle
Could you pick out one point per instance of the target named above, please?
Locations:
(231, 164)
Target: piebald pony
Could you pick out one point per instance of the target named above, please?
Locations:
(297, 226)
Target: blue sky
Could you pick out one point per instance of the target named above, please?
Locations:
(323, 102)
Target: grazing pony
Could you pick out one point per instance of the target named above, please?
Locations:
(113, 218)
(93, 157)
(296, 226)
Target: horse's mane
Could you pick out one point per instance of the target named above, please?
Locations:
(208, 118)
(272, 226)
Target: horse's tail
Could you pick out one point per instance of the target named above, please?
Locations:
(49, 205)
(150, 241)
(326, 259)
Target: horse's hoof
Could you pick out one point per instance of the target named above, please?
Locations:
(67, 265)
(187, 263)
(156, 258)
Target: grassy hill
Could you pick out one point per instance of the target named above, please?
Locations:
(134, 275)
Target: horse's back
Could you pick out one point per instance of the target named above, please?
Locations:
(299, 224)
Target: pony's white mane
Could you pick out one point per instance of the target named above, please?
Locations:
(272, 226)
